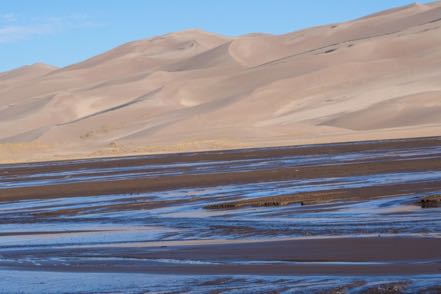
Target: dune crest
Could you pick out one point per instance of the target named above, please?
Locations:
(375, 77)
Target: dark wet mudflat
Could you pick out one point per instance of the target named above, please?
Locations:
(340, 218)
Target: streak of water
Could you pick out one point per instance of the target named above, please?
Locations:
(73, 232)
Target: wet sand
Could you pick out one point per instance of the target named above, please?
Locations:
(158, 173)
(356, 212)
(330, 256)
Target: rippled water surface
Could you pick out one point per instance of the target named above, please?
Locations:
(37, 234)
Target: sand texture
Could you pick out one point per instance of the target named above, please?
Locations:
(377, 77)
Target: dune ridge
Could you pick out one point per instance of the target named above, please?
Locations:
(375, 77)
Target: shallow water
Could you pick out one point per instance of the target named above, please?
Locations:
(58, 282)
(39, 233)
(156, 170)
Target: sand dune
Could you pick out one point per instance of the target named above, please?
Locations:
(26, 72)
(372, 78)
(424, 107)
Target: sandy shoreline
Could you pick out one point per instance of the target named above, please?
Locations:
(172, 215)
(184, 177)
(330, 256)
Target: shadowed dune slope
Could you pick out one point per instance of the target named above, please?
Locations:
(375, 77)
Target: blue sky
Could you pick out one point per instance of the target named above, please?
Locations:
(62, 32)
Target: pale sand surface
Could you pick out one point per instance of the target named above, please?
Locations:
(376, 77)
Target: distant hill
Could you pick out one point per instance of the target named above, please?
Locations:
(371, 78)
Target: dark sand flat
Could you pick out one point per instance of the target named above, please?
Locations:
(357, 212)
(331, 256)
